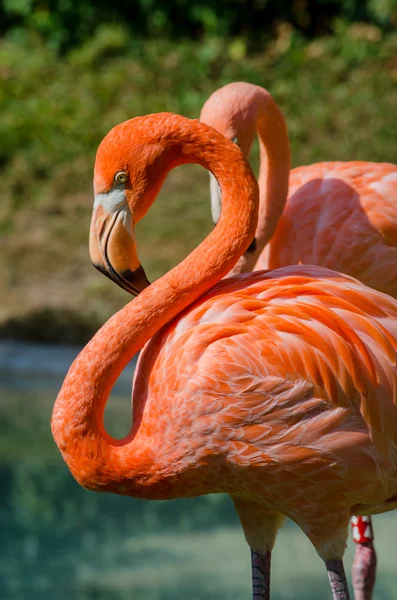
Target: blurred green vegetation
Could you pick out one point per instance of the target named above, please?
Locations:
(65, 23)
(338, 92)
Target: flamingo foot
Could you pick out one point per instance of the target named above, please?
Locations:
(337, 580)
(364, 571)
(260, 575)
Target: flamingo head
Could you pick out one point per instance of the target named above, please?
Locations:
(131, 164)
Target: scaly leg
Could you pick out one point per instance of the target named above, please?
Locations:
(260, 526)
(261, 575)
(364, 565)
(337, 579)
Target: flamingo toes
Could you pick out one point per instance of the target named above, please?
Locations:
(341, 215)
(277, 387)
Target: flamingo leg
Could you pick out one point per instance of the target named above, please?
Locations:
(260, 525)
(261, 575)
(364, 565)
(337, 580)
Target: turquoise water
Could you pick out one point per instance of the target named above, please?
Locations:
(61, 542)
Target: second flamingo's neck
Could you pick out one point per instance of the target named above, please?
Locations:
(95, 459)
(275, 165)
(239, 110)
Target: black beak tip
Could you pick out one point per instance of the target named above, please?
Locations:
(136, 280)
(101, 269)
(133, 282)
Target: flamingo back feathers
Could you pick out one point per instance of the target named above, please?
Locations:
(341, 215)
(294, 368)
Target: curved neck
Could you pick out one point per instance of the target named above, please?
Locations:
(275, 165)
(95, 459)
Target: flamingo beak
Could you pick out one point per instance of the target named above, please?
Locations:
(112, 242)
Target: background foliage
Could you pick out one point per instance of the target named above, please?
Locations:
(70, 71)
(65, 23)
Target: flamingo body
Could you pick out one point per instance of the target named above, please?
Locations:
(277, 387)
(340, 215)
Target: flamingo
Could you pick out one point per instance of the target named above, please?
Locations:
(276, 387)
(340, 215)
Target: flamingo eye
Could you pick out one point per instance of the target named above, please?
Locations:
(121, 177)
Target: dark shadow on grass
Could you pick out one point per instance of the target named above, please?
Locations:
(49, 325)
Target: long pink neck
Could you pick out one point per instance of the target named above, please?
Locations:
(95, 459)
(275, 165)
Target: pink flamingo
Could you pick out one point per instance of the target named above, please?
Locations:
(278, 387)
(340, 215)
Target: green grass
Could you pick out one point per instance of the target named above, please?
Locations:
(338, 94)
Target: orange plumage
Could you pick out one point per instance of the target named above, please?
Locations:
(276, 387)
(340, 215)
